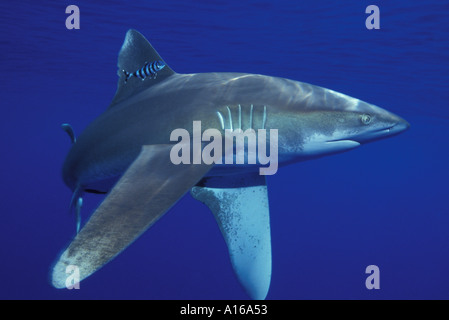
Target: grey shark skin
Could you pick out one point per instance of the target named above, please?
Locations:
(125, 152)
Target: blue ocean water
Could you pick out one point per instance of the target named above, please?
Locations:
(382, 204)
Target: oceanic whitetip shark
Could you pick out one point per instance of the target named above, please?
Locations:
(125, 153)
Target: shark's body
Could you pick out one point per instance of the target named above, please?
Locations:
(131, 142)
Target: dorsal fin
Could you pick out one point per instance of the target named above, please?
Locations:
(135, 52)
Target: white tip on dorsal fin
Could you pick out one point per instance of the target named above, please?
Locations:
(135, 52)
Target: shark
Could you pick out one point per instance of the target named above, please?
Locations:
(125, 154)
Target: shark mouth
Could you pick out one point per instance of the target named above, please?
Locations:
(376, 134)
(386, 132)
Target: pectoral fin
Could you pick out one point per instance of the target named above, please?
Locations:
(240, 206)
(149, 187)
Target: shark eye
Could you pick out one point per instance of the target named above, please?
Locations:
(366, 119)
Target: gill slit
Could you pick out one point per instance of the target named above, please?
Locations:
(264, 120)
(251, 117)
(230, 118)
(220, 117)
(240, 117)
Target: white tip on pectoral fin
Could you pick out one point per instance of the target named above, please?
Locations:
(242, 212)
(147, 189)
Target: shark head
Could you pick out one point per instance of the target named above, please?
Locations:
(328, 122)
(368, 123)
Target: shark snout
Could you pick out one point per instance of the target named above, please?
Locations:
(397, 126)
(402, 125)
(385, 125)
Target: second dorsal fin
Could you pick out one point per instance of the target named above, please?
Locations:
(135, 52)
